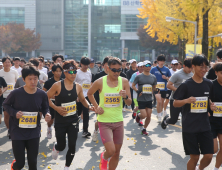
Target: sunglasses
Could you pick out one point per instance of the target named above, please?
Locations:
(115, 70)
(71, 71)
(147, 65)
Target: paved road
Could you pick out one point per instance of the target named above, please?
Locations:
(161, 150)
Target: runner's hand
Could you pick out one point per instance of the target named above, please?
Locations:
(213, 107)
(122, 93)
(41, 81)
(191, 100)
(77, 100)
(164, 77)
(47, 117)
(92, 108)
(99, 110)
(19, 114)
(61, 110)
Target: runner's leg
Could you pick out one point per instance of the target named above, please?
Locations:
(60, 133)
(132, 104)
(32, 147)
(192, 163)
(219, 154)
(6, 119)
(205, 161)
(18, 147)
(115, 158)
(148, 117)
(174, 114)
(85, 119)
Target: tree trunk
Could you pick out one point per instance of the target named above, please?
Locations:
(205, 34)
(180, 58)
(211, 49)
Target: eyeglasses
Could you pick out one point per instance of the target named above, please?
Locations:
(204, 68)
(175, 64)
(71, 71)
(147, 65)
(115, 70)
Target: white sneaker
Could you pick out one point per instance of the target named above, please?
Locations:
(49, 133)
(124, 109)
(159, 119)
(95, 136)
(197, 168)
(55, 153)
(164, 113)
(66, 168)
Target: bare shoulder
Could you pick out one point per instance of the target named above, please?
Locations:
(125, 80)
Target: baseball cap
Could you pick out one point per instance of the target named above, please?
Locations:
(146, 62)
(140, 64)
(174, 62)
(131, 61)
(85, 61)
(92, 60)
(123, 60)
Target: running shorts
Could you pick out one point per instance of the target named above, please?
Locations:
(111, 132)
(168, 93)
(163, 94)
(144, 105)
(135, 102)
(198, 143)
(216, 128)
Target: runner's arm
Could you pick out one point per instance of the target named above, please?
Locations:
(134, 87)
(95, 86)
(154, 88)
(127, 89)
(81, 97)
(51, 93)
(171, 86)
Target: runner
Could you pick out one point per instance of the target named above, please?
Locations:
(41, 65)
(57, 59)
(129, 73)
(124, 70)
(96, 94)
(146, 85)
(25, 127)
(112, 89)
(174, 65)
(10, 77)
(136, 110)
(162, 74)
(216, 115)
(84, 78)
(174, 82)
(57, 72)
(17, 61)
(3, 88)
(194, 95)
(66, 118)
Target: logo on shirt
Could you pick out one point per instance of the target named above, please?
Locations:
(69, 94)
(206, 92)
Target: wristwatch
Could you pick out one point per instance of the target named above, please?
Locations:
(126, 97)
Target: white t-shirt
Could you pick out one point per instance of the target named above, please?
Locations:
(19, 70)
(172, 72)
(84, 79)
(10, 78)
(44, 70)
(42, 76)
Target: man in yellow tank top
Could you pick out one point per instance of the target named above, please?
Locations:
(112, 89)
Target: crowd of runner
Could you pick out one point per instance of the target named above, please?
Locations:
(64, 92)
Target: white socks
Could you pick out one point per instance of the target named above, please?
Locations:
(159, 114)
(216, 168)
(50, 128)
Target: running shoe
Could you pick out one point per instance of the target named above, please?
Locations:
(86, 134)
(49, 133)
(124, 109)
(95, 136)
(12, 164)
(55, 153)
(164, 113)
(137, 119)
(140, 123)
(103, 163)
(163, 124)
(144, 132)
(134, 115)
(197, 168)
(66, 168)
(159, 119)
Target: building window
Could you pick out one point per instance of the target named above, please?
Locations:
(112, 28)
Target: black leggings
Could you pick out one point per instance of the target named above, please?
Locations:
(174, 113)
(32, 147)
(85, 111)
(71, 129)
(132, 104)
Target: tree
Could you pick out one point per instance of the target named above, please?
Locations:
(15, 38)
(202, 11)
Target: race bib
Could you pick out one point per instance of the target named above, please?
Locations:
(160, 85)
(28, 120)
(200, 106)
(218, 111)
(86, 86)
(147, 89)
(70, 108)
(10, 87)
(112, 100)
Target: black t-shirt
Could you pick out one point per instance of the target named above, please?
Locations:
(3, 82)
(130, 72)
(195, 122)
(48, 84)
(211, 74)
(50, 75)
(217, 97)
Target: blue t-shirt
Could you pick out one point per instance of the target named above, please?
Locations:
(158, 75)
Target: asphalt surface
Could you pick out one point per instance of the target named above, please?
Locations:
(161, 150)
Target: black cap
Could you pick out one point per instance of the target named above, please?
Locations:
(98, 62)
(123, 60)
(92, 60)
(16, 58)
(85, 61)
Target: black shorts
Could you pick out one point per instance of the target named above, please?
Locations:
(163, 94)
(144, 105)
(216, 128)
(2, 103)
(198, 143)
(168, 93)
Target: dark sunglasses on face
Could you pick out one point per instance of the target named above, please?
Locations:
(71, 71)
(115, 70)
(175, 64)
(148, 65)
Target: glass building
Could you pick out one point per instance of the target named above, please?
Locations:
(12, 14)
